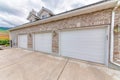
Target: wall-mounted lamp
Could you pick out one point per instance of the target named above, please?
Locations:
(54, 33)
(117, 29)
(30, 35)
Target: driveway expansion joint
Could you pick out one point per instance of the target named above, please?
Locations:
(63, 68)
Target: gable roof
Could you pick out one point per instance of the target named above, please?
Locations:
(32, 14)
(82, 10)
(45, 9)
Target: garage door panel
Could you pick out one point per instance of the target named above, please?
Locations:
(43, 42)
(84, 44)
(84, 57)
(22, 41)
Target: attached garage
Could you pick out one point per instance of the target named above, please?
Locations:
(22, 41)
(88, 33)
(84, 44)
(43, 42)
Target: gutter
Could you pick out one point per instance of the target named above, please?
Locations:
(112, 33)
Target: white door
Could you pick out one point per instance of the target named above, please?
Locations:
(43, 42)
(22, 41)
(87, 44)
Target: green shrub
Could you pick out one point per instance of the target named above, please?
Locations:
(6, 45)
(4, 42)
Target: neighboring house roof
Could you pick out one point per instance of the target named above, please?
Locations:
(45, 9)
(82, 10)
(33, 14)
(43, 13)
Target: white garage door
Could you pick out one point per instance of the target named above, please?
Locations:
(22, 41)
(88, 44)
(43, 42)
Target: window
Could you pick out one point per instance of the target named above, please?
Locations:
(44, 16)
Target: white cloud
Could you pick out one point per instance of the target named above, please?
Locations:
(3, 23)
(14, 12)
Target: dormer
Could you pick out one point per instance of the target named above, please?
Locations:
(33, 16)
(44, 13)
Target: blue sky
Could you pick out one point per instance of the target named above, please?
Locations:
(15, 12)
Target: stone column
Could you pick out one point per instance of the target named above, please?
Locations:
(55, 42)
(116, 43)
(30, 41)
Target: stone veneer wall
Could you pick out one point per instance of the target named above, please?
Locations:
(30, 40)
(55, 42)
(97, 18)
(117, 35)
(118, 46)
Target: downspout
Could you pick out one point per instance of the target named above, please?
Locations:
(112, 32)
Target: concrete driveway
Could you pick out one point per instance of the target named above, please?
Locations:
(18, 64)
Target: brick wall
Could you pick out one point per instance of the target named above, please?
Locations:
(102, 17)
(117, 35)
(30, 40)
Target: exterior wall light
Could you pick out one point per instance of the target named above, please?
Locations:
(54, 33)
(30, 35)
(116, 29)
